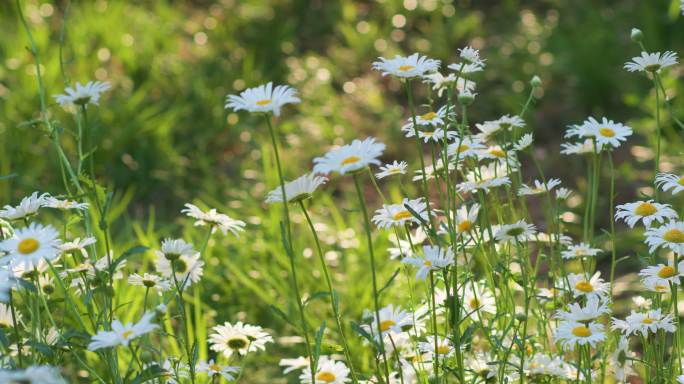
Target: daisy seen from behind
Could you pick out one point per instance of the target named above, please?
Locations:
(214, 219)
(82, 95)
(297, 190)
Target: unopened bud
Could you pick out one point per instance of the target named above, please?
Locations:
(636, 35)
(536, 82)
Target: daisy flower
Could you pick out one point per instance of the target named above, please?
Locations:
(436, 136)
(263, 99)
(77, 245)
(481, 364)
(53, 202)
(301, 362)
(30, 245)
(430, 118)
(395, 168)
(391, 319)
(238, 338)
(539, 187)
(406, 67)
(524, 142)
(466, 218)
(28, 207)
(122, 334)
(327, 372)
(668, 181)
(572, 333)
(470, 55)
(82, 94)
(435, 258)
(440, 82)
(651, 62)
(298, 190)
(645, 322)
(646, 211)
(621, 360)
(391, 215)
(666, 273)
(489, 176)
(444, 347)
(518, 231)
(656, 284)
(465, 147)
(349, 158)
(35, 374)
(477, 298)
(7, 320)
(214, 219)
(670, 235)
(587, 146)
(149, 281)
(186, 269)
(563, 193)
(214, 369)
(577, 313)
(580, 250)
(608, 132)
(582, 285)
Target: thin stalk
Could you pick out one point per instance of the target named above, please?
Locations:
(369, 239)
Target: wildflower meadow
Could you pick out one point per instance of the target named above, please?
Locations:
(444, 242)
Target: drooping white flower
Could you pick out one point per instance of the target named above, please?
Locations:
(300, 189)
(669, 181)
(7, 319)
(651, 62)
(122, 334)
(214, 219)
(263, 99)
(434, 259)
(77, 245)
(572, 333)
(238, 338)
(563, 193)
(406, 67)
(440, 82)
(82, 94)
(150, 281)
(621, 360)
(182, 266)
(391, 215)
(349, 158)
(30, 245)
(587, 146)
(53, 202)
(28, 207)
(669, 235)
(524, 142)
(389, 169)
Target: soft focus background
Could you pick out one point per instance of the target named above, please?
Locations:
(165, 138)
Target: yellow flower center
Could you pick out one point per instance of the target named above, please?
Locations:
(326, 377)
(428, 133)
(127, 334)
(351, 160)
(681, 181)
(606, 132)
(215, 367)
(647, 320)
(427, 263)
(402, 215)
(405, 68)
(645, 209)
(584, 286)
(28, 246)
(462, 148)
(428, 116)
(465, 226)
(497, 152)
(666, 272)
(581, 331)
(386, 324)
(674, 236)
(474, 303)
(263, 102)
(443, 349)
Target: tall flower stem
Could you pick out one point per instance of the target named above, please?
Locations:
(333, 298)
(369, 239)
(289, 250)
(421, 155)
(434, 326)
(20, 347)
(612, 222)
(658, 128)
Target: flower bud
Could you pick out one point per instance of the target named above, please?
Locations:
(636, 35)
(536, 81)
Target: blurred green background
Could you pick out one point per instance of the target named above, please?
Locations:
(165, 138)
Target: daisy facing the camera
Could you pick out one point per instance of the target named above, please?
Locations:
(350, 158)
(263, 99)
(645, 211)
(31, 245)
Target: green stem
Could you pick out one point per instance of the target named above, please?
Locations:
(369, 239)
